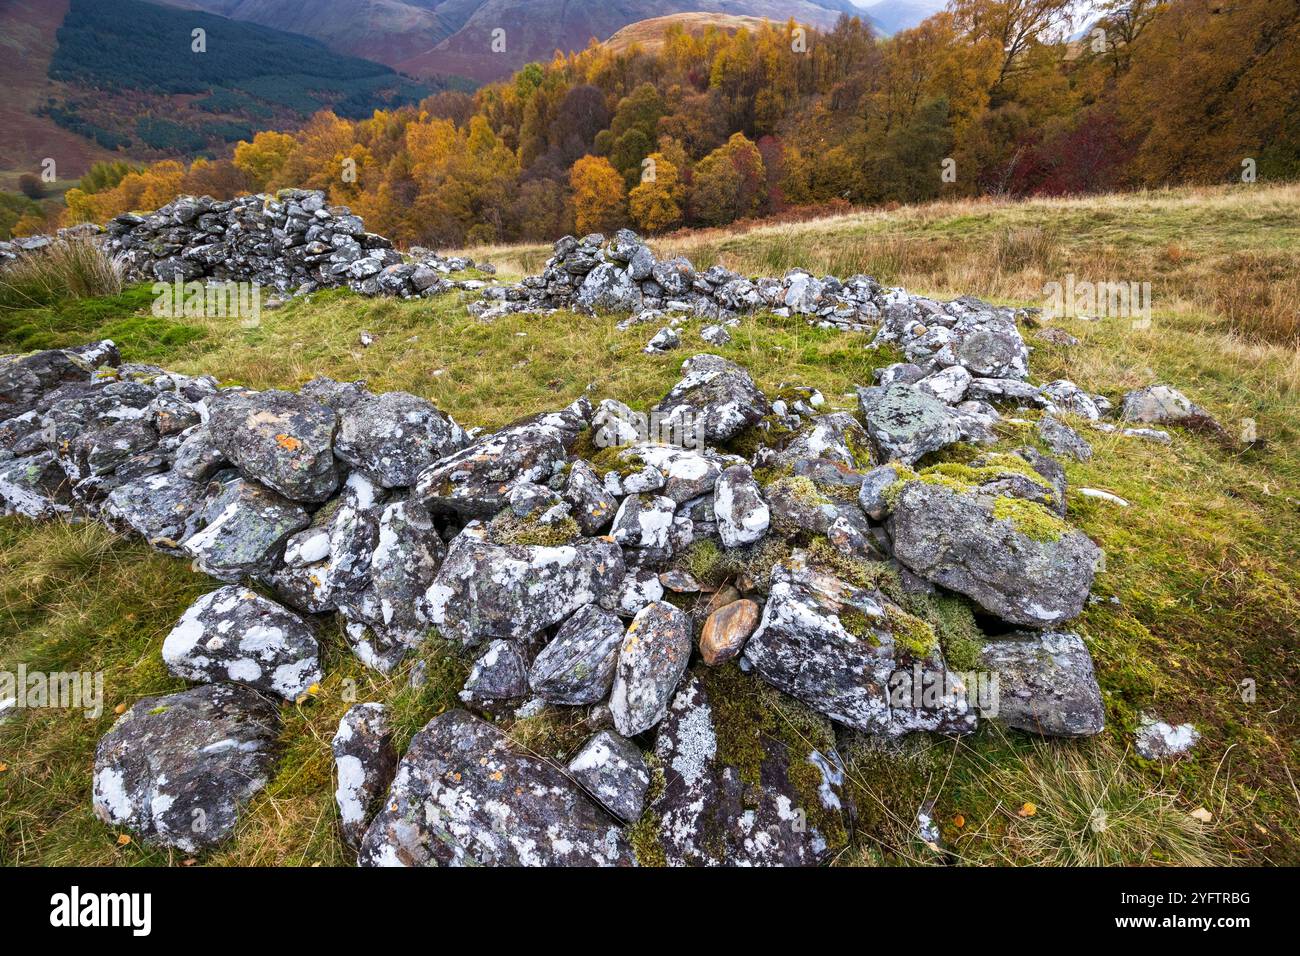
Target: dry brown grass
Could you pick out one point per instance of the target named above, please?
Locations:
(72, 269)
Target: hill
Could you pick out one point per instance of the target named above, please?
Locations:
(441, 37)
(101, 77)
(649, 34)
(28, 39)
(891, 16)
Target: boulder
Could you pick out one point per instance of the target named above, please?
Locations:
(234, 634)
(836, 437)
(484, 591)
(388, 617)
(281, 439)
(590, 504)
(35, 487)
(475, 482)
(828, 643)
(1162, 405)
(612, 769)
(651, 661)
(1062, 439)
(500, 673)
(1046, 684)
(1068, 397)
(740, 787)
(328, 563)
(742, 514)
(364, 764)
(680, 474)
(244, 530)
(609, 288)
(640, 587)
(394, 436)
(177, 770)
(160, 508)
(726, 630)
(463, 796)
(905, 423)
(715, 396)
(642, 525)
(577, 667)
(1012, 557)
(25, 378)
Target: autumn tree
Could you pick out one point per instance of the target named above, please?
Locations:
(655, 203)
(599, 199)
(1014, 25)
(263, 158)
(728, 183)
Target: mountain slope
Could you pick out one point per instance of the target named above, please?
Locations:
(427, 37)
(123, 74)
(649, 34)
(895, 15)
(27, 42)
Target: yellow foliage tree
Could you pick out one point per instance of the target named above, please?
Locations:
(654, 203)
(599, 201)
(263, 158)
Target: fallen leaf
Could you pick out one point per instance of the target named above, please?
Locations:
(1028, 810)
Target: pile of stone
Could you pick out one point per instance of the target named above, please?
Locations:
(623, 276)
(664, 592)
(293, 242)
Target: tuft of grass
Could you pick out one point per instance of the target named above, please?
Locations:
(1082, 804)
(65, 269)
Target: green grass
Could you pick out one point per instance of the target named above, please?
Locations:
(1203, 569)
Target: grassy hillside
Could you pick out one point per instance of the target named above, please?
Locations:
(649, 34)
(1201, 588)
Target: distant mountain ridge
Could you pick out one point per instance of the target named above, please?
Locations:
(428, 37)
(893, 16)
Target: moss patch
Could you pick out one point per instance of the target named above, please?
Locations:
(509, 528)
(1030, 519)
(913, 634)
(748, 716)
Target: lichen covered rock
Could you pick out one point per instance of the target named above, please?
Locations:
(177, 770)
(364, 764)
(463, 796)
(577, 667)
(234, 634)
(1046, 684)
(1013, 557)
(483, 591)
(652, 659)
(281, 439)
(394, 436)
(740, 787)
(612, 769)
